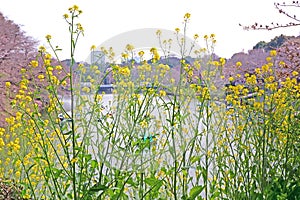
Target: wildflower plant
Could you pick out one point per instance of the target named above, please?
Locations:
(153, 137)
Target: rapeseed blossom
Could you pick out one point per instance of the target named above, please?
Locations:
(7, 84)
(34, 63)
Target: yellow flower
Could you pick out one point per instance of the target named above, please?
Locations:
(212, 35)
(74, 8)
(282, 64)
(162, 93)
(257, 71)
(50, 69)
(177, 30)
(124, 71)
(196, 36)
(213, 88)
(10, 120)
(294, 73)
(265, 68)
(34, 63)
(64, 83)
(74, 160)
(205, 37)
(2, 143)
(42, 49)
(26, 196)
(273, 53)
(153, 49)
(158, 32)
(95, 67)
(238, 64)
(144, 124)
(129, 47)
(215, 63)
(231, 79)
(141, 53)
(48, 37)
(48, 56)
(222, 61)
(93, 47)
(66, 16)
(79, 27)
(124, 55)
(251, 80)
(156, 56)
(193, 86)
(270, 79)
(86, 89)
(197, 64)
(54, 80)
(58, 67)
(23, 87)
(187, 16)
(99, 97)
(257, 105)
(7, 84)
(268, 59)
(23, 70)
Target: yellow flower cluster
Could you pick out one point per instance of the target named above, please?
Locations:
(7, 84)
(141, 53)
(129, 47)
(34, 63)
(145, 67)
(144, 124)
(251, 80)
(238, 64)
(124, 71)
(155, 54)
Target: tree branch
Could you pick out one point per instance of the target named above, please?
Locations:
(273, 25)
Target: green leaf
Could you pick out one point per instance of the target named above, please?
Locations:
(98, 187)
(195, 191)
(195, 159)
(131, 182)
(88, 157)
(151, 181)
(56, 172)
(154, 183)
(94, 164)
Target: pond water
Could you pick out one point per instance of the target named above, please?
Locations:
(115, 152)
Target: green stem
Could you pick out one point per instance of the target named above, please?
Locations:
(141, 185)
(72, 109)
